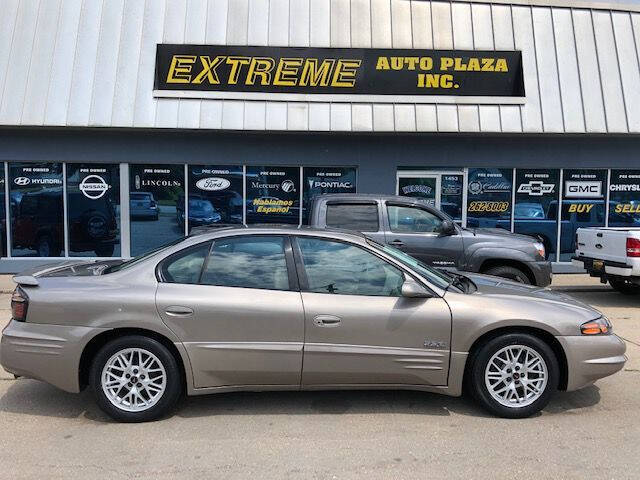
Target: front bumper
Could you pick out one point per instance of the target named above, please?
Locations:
(542, 272)
(590, 358)
(50, 353)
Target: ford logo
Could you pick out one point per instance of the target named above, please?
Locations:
(212, 184)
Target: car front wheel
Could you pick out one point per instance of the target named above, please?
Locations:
(135, 379)
(512, 273)
(514, 375)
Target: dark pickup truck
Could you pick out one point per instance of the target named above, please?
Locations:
(432, 237)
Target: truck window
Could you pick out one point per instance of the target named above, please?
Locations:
(353, 216)
(412, 220)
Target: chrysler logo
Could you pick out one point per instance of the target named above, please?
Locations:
(22, 181)
(93, 186)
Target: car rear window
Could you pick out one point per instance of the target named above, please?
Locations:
(353, 216)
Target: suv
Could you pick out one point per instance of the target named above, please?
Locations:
(431, 236)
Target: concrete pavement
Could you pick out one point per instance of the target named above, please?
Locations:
(592, 433)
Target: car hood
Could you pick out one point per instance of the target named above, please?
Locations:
(500, 234)
(538, 302)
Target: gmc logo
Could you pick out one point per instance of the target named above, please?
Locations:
(583, 189)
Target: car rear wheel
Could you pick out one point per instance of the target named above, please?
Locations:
(512, 273)
(514, 375)
(135, 379)
(625, 287)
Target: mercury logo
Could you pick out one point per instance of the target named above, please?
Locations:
(288, 186)
(93, 186)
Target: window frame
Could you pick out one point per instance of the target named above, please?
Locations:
(159, 267)
(292, 275)
(424, 208)
(302, 273)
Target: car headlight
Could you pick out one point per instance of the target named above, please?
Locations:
(539, 246)
(599, 326)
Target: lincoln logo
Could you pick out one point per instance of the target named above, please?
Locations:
(93, 187)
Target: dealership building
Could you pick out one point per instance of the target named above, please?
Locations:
(125, 123)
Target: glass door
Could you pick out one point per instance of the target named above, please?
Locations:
(442, 189)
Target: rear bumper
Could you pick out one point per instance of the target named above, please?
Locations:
(50, 353)
(611, 268)
(590, 358)
(542, 272)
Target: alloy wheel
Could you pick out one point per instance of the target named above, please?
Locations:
(133, 379)
(516, 376)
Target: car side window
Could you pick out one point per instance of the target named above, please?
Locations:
(345, 269)
(247, 262)
(353, 216)
(185, 266)
(412, 220)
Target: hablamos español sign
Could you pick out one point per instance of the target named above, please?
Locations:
(338, 74)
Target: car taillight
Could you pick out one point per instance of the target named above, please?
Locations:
(633, 247)
(19, 305)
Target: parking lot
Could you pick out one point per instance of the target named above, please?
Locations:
(592, 433)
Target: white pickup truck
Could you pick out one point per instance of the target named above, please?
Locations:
(612, 254)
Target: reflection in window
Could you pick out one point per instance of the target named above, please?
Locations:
(624, 198)
(248, 262)
(536, 208)
(321, 180)
(343, 269)
(353, 216)
(93, 209)
(3, 220)
(583, 205)
(215, 195)
(273, 195)
(185, 266)
(489, 197)
(155, 193)
(36, 209)
(412, 220)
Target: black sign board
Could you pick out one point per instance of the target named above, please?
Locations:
(350, 71)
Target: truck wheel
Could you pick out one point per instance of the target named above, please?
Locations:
(514, 375)
(105, 250)
(512, 273)
(135, 379)
(625, 287)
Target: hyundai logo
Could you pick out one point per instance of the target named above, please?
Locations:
(22, 181)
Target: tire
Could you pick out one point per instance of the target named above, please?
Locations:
(481, 376)
(624, 287)
(105, 250)
(160, 394)
(511, 273)
(46, 247)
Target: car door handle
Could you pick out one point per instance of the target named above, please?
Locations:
(396, 243)
(178, 311)
(327, 320)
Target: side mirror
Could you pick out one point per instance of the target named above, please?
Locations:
(447, 228)
(412, 289)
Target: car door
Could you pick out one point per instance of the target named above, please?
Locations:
(416, 231)
(359, 330)
(236, 306)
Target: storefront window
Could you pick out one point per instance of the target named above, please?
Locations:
(3, 210)
(215, 195)
(93, 210)
(320, 180)
(451, 195)
(489, 197)
(154, 195)
(536, 209)
(624, 198)
(420, 186)
(583, 205)
(36, 209)
(273, 195)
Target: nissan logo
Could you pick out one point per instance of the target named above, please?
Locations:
(22, 181)
(93, 186)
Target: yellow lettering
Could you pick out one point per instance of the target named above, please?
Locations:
(314, 76)
(487, 64)
(474, 65)
(501, 65)
(382, 64)
(426, 63)
(260, 67)
(619, 208)
(209, 70)
(287, 72)
(446, 63)
(411, 62)
(236, 65)
(345, 73)
(180, 69)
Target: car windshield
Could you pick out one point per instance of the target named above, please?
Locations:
(437, 277)
(140, 196)
(134, 261)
